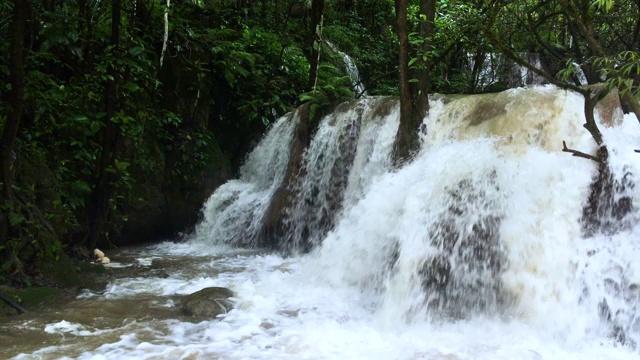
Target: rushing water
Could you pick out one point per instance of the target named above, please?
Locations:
(474, 250)
(234, 214)
(352, 71)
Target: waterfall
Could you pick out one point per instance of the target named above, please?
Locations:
(352, 70)
(233, 213)
(497, 69)
(477, 248)
(351, 147)
(485, 221)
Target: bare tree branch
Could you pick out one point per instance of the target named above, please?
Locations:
(579, 154)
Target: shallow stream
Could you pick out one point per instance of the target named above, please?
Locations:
(284, 310)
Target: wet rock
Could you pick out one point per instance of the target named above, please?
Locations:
(304, 208)
(619, 329)
(31, 298)
(163, 263)
(208, 302)
(464, 276)
(610, 109)
(618, 305)
(273, 228)
(160, 273)
(630, 104)
(609, 201)
(320, 192)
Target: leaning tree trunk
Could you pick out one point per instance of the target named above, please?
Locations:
(9, 301)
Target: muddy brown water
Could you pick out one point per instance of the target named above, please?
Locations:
(67, 329)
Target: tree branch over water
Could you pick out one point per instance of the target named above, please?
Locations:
(577, 153)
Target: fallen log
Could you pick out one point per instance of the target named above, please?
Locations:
(9, 301)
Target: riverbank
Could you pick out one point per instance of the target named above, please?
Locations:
(54, 284)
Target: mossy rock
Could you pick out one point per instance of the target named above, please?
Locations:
(61, 272)
(208, 302)
(35, 296)
(31, 297)
(495, 87)
(91, 268)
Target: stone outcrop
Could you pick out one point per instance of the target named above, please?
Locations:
(282, 198)
(208, 302)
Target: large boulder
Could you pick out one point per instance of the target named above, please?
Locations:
(208, 302)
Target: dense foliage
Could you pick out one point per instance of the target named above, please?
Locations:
(118, 118)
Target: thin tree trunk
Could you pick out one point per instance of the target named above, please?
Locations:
(17, 61)
(99, 203)
(478, 64)
(16, 66)
(590, 102)
(165, 38)
(403, 57)
(420, 95)
(315, 40)
(403, 138)
(414, 102)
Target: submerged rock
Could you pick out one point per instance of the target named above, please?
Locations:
(609, 202)
(464, 276)
(208, 302)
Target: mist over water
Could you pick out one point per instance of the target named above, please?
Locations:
(473, 250)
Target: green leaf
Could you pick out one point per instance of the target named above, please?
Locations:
(306, 97)
(135, 51)
(131, 87)
(15, 219)
(95, 127)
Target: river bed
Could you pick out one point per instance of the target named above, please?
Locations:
(283, 311)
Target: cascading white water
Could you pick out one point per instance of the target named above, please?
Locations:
(495, 68)
(352, 71)
(350, 148)
(234, 212)
(486, 220)
(374, 147)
